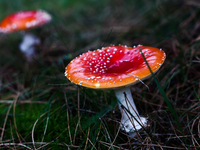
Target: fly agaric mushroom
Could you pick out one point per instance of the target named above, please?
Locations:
(22, 21)
(117, 67)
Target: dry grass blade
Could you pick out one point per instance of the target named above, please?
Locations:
(68, 125)
(86, 143)
(109, 144)
(194, 140)
(22, 102)
(7, 114)
(5, 121)
(79, 117)
(15, 144)
(12, 134)
(44, 144)
(175, 132)
(114, 138)
(33, 129)
(97, 137)
(154, 146)
(14, 119)
(89, 119)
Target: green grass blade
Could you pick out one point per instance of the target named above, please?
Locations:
(171, 109)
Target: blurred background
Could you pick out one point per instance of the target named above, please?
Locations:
(40, 108)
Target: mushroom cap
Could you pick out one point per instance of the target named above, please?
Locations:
(24, 20)
(114, 66)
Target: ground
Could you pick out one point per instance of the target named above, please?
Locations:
(41, 108)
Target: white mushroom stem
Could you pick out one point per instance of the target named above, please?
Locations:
(27, 46)
(131, 120)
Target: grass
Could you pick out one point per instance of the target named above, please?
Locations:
(41, 109)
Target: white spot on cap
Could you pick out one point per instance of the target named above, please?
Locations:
(92, 77)
(14, 26)
(97, 85)
(80, 83)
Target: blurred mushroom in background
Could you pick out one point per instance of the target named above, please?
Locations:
(23, 21)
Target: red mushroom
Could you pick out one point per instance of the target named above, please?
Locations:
(25, 20)
(117, 67)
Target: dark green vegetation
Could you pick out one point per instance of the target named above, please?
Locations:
(41, 109)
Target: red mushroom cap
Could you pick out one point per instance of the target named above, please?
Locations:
(114, 66)
(24, 20)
